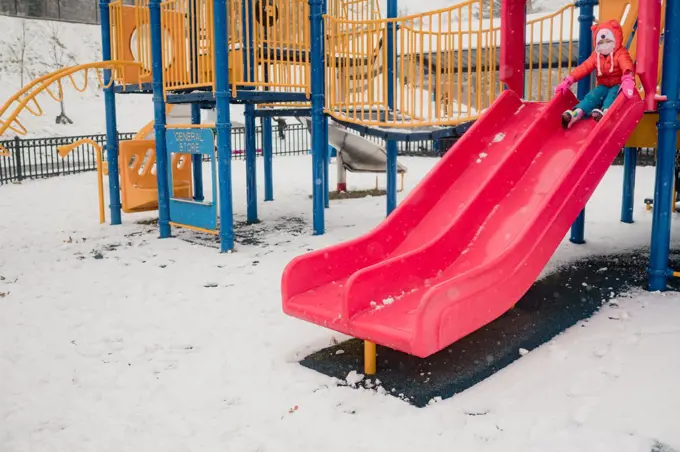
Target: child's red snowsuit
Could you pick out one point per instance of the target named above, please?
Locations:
(611, 67)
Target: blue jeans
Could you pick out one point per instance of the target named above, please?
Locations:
(601, 97)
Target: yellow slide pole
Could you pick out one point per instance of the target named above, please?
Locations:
(370, 365)
(67, 148)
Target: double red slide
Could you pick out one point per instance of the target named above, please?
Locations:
(465, 245)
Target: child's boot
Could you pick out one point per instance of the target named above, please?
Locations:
(569, 117)
(597, 114)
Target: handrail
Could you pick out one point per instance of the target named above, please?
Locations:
(66, 149)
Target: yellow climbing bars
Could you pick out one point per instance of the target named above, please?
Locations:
(550, 41)
(446, 70)
(52, 84)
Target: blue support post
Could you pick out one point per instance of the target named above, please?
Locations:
(162, 167)
(585, 48)
(629, 164)
(223, 126)
(665, 166)
(268, 154)
(111, 128)
(391, 144)
(251, 165)
(197, 159)
(319, 146)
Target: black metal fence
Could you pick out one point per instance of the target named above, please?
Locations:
(38, 158)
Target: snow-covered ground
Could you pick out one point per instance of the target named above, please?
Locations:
(113, 340)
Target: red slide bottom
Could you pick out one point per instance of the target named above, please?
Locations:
(472, 237)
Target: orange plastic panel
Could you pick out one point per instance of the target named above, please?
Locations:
(138, 185)
(136, 25)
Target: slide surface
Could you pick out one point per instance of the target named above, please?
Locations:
(359, 155)
(465, 245)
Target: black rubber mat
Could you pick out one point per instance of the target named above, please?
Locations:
(553, 304)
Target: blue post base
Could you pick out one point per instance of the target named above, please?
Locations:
(251, 169)
(629, 164)
(578, 229)
(268, 156)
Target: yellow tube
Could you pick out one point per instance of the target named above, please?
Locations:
(369, 358)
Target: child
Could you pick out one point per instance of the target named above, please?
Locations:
(615, 73)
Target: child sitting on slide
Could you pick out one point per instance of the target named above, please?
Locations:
(615, 73)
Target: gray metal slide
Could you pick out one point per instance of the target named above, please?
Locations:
(358, 155)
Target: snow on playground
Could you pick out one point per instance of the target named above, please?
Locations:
(113, 340)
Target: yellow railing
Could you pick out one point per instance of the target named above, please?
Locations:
(550, 41)
(116, 27)
(278, 53)
(354, 10)
(66, 150)
(52, 84)
(188, 54)
(140, 42)
(280, 47)
(445, 67)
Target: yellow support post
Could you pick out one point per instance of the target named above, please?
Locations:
(369, 358)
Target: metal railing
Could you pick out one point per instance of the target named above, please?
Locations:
(430, 85)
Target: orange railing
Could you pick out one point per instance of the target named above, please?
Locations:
(188, 54)
(445, 67)
(116, 26)
(140, 41)
(280, 46)
(550, 41)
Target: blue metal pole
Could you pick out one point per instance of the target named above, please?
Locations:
(268, 153)
(251, 166)
(197, 159)
(629, 164)
(391, 144)
(111, 128)
(585, 48)
(319, 147)
(223, 126)
(162, 167)
(665, 166)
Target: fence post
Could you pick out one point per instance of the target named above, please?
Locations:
(17, 158)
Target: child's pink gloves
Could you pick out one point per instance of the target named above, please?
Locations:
(564, 85)
(628, 85)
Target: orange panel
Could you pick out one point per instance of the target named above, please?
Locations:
(136, 25)
(139, 188)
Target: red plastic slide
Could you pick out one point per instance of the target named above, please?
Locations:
(472, 237)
